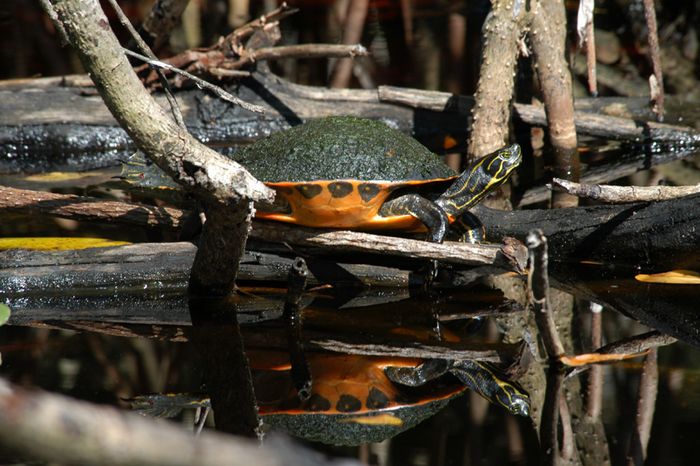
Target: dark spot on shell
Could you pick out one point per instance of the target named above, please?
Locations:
(103, 24)
(284, 189)
(377, 399)
(318, 403)
(368, 191)
(309, 190)
(340, 188)
(348, 404)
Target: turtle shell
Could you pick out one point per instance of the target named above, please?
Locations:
(352, 401)
(338, 171)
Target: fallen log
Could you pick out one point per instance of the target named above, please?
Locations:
(34, 137)
(657, 235)
(650, 235)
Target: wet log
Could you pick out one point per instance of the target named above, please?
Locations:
(35, 135)
(649, 235)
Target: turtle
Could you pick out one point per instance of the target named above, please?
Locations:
(354, 173)
(356, 399)
(360, 399)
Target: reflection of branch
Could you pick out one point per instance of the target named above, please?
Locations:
(549, 444)
(74, 432)
(538, 287)
(594, 381)
(620, 194)
(648, 388)
(630, 347)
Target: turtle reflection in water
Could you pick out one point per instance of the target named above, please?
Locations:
(359, 174)
(361, 399)
(357, 399)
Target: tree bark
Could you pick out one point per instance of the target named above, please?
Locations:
(213, 178)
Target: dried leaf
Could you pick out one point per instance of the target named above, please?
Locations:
(675, 277)
(597, 358)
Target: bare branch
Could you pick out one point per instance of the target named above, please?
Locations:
(623, 194)
(198, 81)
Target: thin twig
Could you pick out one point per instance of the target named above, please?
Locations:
(199, 82)
(623, 194)
(235, 38)
(174, 106)
(657, 95)
(352, 33)
(301, 51)
(591, 60)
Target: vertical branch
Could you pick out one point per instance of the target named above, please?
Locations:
(502, 30)
(591, 60)
(548, 35)
(646, 401)
(657, 88)
(352, 34)
(161, 20)
(220, 247)
(538, 287)
(594, 382)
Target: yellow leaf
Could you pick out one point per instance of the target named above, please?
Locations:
(597, 358)
(676, 277)
(379, 420)
(57, 244)
(57, 176)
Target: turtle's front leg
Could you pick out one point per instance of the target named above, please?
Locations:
(433, 217)
(467, 229)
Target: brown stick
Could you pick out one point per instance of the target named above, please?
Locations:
(548, 36)
(236, 37)
(623, 194)
(494, 91)
(84, 208)
(657, 94)
(591, 59)
(162, 19)
(300, 51)
(351, 241)
(593, 124)
(352, 33)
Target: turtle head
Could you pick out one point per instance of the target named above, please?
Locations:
(479, 179)
(500, 164)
